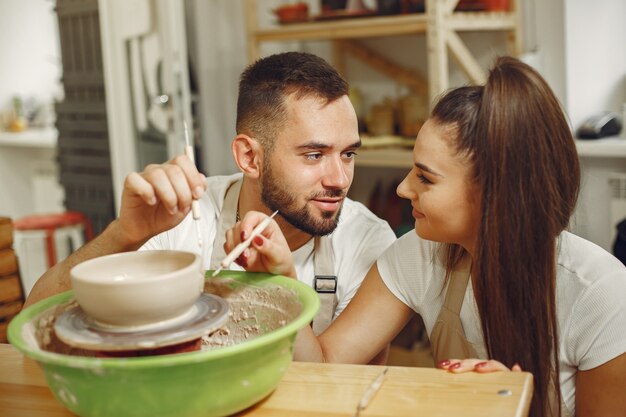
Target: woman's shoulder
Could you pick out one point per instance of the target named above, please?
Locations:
(409, 257)
(591, 284)
(412, 246)
(587, 261)
(409, 267)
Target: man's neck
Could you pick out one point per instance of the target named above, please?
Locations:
(250, 199)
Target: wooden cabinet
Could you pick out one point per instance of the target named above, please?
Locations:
(11, 294)
(441, 25)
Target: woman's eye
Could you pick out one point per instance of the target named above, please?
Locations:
(423, 179)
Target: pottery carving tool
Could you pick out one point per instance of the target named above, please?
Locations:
(370, 393)
(195, 205)
(238, 250)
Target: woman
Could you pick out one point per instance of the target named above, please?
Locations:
(494, 184)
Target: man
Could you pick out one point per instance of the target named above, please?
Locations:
(296, 140)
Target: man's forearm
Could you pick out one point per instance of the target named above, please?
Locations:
(57, 279)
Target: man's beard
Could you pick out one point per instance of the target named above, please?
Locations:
(276, 197)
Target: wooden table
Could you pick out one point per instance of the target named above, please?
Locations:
(320, 390)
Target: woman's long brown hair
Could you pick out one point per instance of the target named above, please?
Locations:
(515, 134)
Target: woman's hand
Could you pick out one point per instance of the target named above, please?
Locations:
(269, 251)
(459, 366)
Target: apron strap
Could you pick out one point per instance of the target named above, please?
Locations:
(448, 337)
(456, 291)
(225, 221)
(325, 283)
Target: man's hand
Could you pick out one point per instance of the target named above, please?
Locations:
(153, 201)
(269, 251)
(159, 198)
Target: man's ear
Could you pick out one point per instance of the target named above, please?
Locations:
(248, 155)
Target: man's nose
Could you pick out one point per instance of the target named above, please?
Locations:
(338, 174)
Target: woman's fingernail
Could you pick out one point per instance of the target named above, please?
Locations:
(197, 192)
(258, 240)
(243, 235)
(443, 363)
(455, 366)
(481, 364)
(152, 201)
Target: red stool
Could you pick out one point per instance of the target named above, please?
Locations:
(49, 223)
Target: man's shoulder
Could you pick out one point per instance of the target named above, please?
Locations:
(223, 181)
(355, 215)
(217, 186)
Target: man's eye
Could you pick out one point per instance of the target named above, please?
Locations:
(349, 154)
(313, 156)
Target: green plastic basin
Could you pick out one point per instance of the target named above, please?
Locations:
(204, 383)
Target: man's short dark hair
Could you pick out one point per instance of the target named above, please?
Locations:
(265, 85)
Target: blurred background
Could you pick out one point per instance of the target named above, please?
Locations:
(92, 90)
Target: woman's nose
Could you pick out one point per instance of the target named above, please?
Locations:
(403, 189)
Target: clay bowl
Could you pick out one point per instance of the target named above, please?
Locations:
(135, 289)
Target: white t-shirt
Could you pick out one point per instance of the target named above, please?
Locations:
(591, 300)
(359, 239)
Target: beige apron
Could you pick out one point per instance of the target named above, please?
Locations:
(325, 281)
(448, 337)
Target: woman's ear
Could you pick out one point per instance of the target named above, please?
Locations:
(248, 155)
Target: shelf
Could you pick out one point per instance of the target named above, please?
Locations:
(401, 157)
(440, 24)
(30, 138)
(385, 158)
(611, 147)
(368, 27)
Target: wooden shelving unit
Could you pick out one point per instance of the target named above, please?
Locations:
(440, 24)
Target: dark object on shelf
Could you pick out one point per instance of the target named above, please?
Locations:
(387, 7)
(293, 13)
(497, 5)
(600, 125)
(412, 6)
(329, 5)
(619, 247)
(344, 14)
(471, 6)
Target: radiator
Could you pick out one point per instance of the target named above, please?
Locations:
(617, 183)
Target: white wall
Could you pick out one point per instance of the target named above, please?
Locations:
(544, 40)
(595, 80)
(29, 47)
(31, 69)
(595, 57)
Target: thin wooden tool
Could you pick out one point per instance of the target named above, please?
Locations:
(238, 250)
(370, 392)
(195, 205)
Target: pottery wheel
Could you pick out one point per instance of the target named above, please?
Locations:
(76, 328)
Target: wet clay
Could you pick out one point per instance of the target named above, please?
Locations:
(253, 311)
